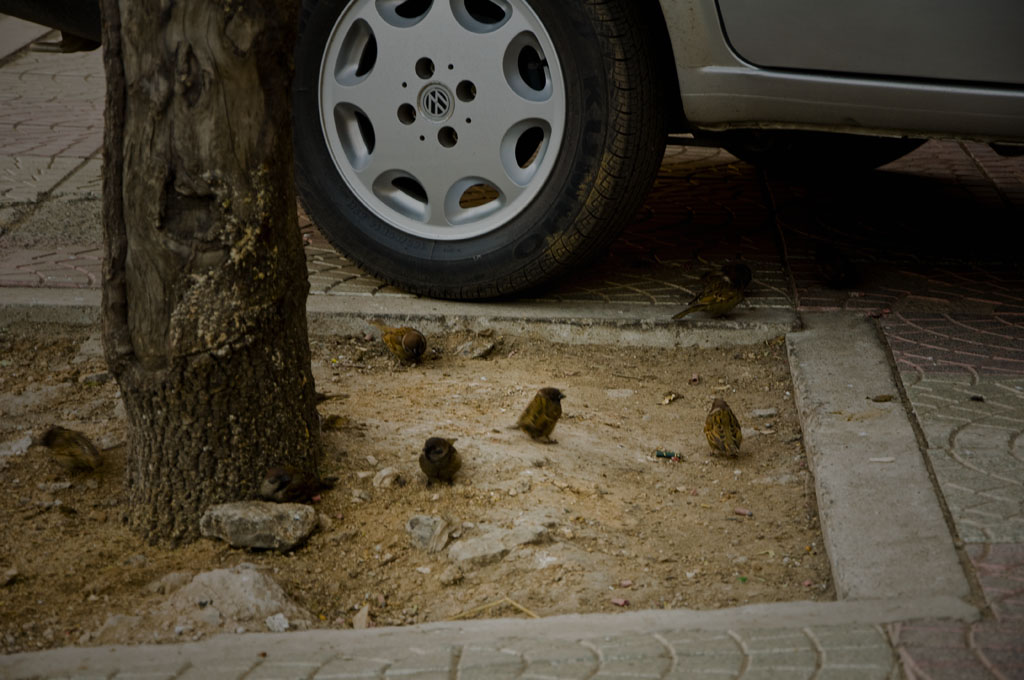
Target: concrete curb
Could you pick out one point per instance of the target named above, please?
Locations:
(75, 306)
(571, 323)
(883, 525)
(722, 639)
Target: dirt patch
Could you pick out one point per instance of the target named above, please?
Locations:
(614, 526)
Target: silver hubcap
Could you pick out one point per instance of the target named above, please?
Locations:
(442, 116)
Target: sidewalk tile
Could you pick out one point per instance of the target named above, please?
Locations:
(24, 178)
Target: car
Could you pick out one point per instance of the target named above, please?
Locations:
(470, 149)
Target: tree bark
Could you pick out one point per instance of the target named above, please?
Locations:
(204, 278)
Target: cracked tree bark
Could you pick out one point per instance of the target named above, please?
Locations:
(204, 278)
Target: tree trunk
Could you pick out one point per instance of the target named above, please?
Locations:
(204, 279)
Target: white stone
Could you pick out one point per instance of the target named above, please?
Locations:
(362, 618)
(495, 544)
(17, 447)
(428, 532)
(168, 583)
(227, 598)
(278, 623)
(450, 576)
(259, 525)
(386, 477)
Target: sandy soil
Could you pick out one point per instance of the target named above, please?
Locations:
(624, 529)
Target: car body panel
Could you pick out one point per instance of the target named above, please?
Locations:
(721, 90)
(978, 41)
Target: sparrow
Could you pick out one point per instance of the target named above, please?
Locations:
(539, 418)
(439, 460)
(286, 484)
(718, 295)
(335, 422)
(723, 429)
(70, 448)
(738, 274)
(406, 343)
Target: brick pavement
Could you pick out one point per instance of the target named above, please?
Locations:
(52, 106)
(933, 239)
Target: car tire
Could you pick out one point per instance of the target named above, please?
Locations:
(811, 153)
(554, 132)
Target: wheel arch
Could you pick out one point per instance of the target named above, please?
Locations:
(654, 16)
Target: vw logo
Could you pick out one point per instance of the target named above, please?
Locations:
(436, 102)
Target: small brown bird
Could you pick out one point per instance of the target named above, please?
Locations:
(439, 460)
(406, 343)
(286, 484)
(723, 429)
(335, 422)
(738, 274)
(717, 297)
(541, 414)
(70, 448)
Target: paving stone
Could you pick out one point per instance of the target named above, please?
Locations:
(1002, 646)
(423, 663)
(20, 279)
(153, 672)
(857, 673)
(64, 278)
(228, 669)
(635, 656)
(280, 669)
(85, 182)
(785, 651)
(24, 178)
(954, 650)
(558, 658)
(489, 663)
(864, 650)
(1000, 571)
(351, 666)
(704, 655)
(62, 267)
(973, 451)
